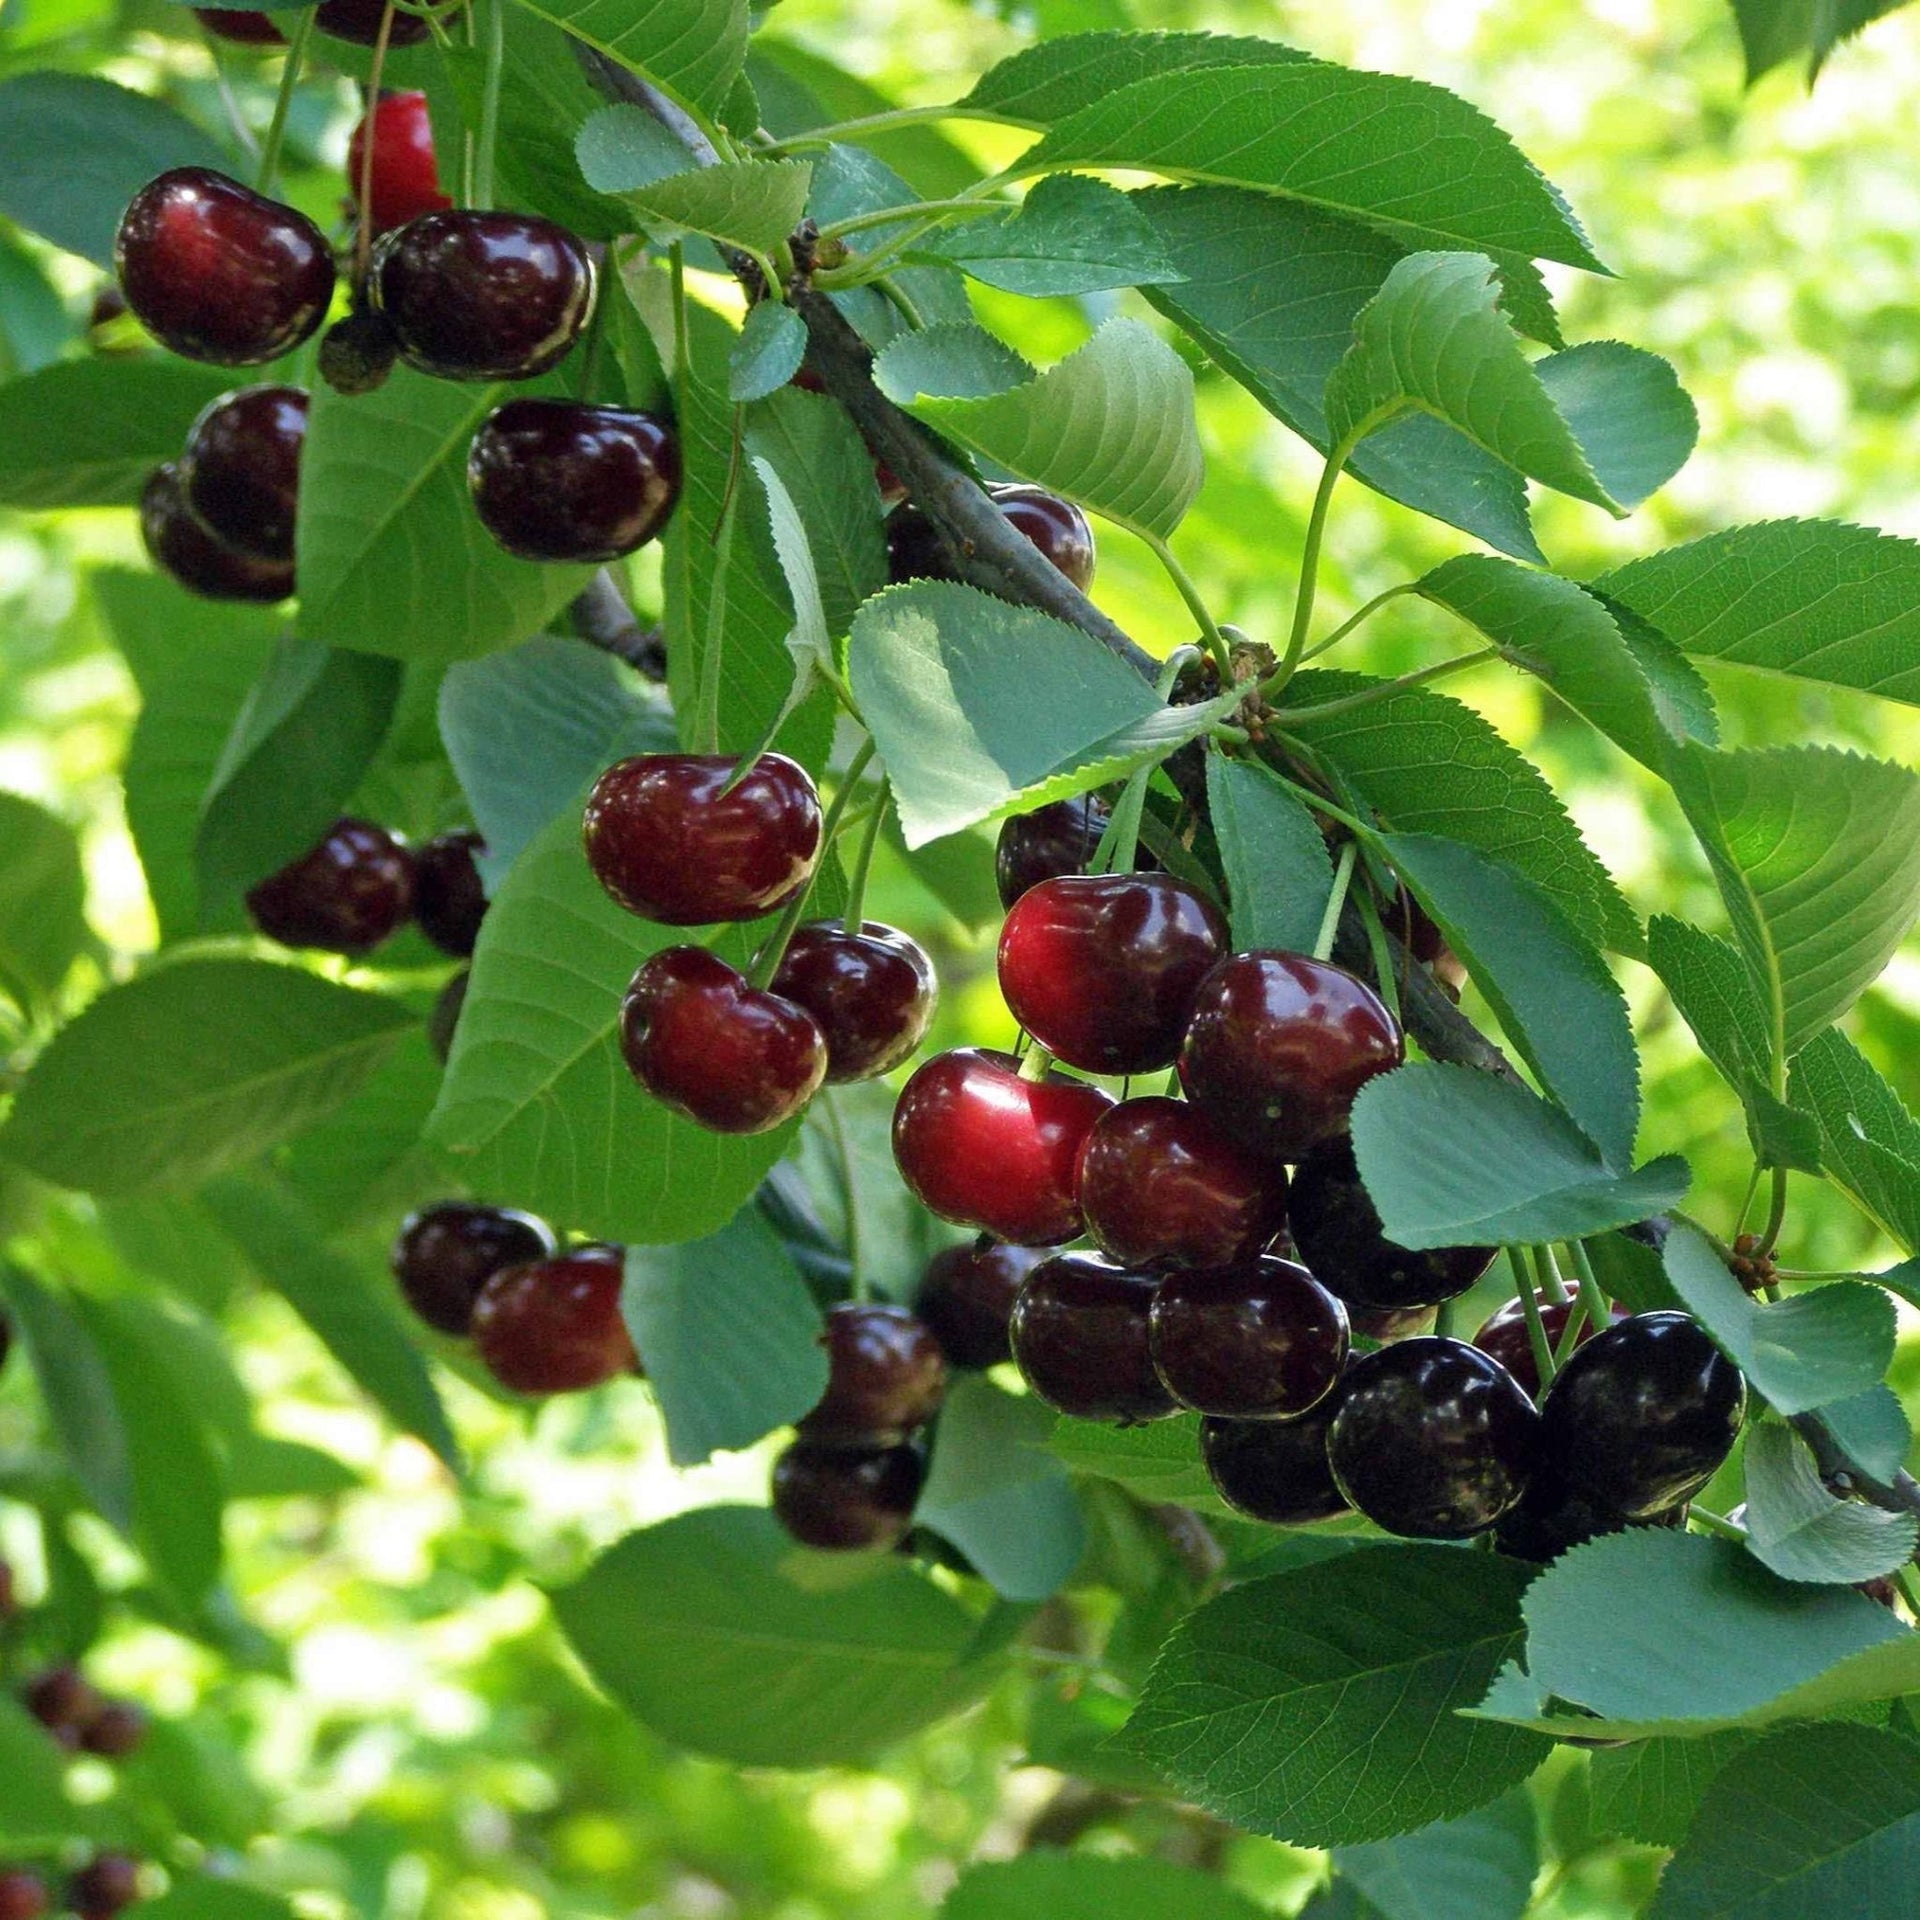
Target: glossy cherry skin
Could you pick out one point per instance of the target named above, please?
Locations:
(669, 844)
(1337, 1229)
(1505, 1336)
(872, 993)
(23, 1895)
(967, 1298)
(1057, 527)
(1643, 1415)
(445, 1254)
(115, 1732)
(64, 1701)
(482, 296)
(1261, 1340)
(1081, 1340)
(1102, 969)
(886, 1377)
(729, 1057)
(982, 1147)
(241, 26)
(107, 1886)
(190, 556)
(406, 176)
(1161, 1185)
(345, 896)
(1434, 1440)
(1275, 1470)
(449, 900)
(846, 1499)
(241, 469)
(359, 22)
(218, 272)
(554, 1326)
(1047, 843)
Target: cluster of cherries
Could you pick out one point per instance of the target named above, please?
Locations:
(106, 1886)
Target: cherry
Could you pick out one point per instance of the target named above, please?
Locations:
(443, 1020)
(64, 1702)
(1505, 1336)
(554, 1326)
(218, 272)
(184, 550)
(967, 1299)
(1642, 1416)
(1279, 1046)
(871, 993)
(344, 896)
(449, 900)
(1080, 1339)
(1057, 527)
(104, 1888)
(1258, 1341)
(406, 176)
(116, 1731)
(1048, 843)
(241, 469)
(482, 296)
(9, 1593)
(358, 353)
(670, 843)
(359, 22)
(983, 1147)
(1275, 1470)
(1102, 969)
(1161, 1185)
(446, 1253)
(886, 1377)
(728, 1056)
(1386, 1324)
(23, 1895)
(1337, 1227)
(1434, 1439)
(842, 1499)
(561, 480)
(242, 26)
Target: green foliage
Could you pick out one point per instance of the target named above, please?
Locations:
(1066, 1887)
(43, 895)
(1480, 1867)
(1278, 872)
(1800, 1530)
(692, 48)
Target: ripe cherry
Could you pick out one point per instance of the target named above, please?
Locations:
(218, 272)
(242, 26)
(482, 296)
(1048, 843)
(1080, 1339)
(23, 1895)
(728, 1056)
(344, 896)
(967, 1299)
(669, 843)
(241, 469)
(6, 1340)
(561, 480)
(846, 1499)
(105, 1887)
(115, 1732)
(1161, 1185)
(871, 993)
(1433, 1440)
(1505, 1336)
(63, 1700)
(1337, 1229)
(1553, 1518)
(1261, 1340)
(981, 1146)
(449, 900)
(554, 1326)
(9, 1589)
(886, 1377)
(1275, 1470)
(1057, 527)
(1643, 1415)
(185, 551)
(446, 1253)
(359, 22)
(1102, 969)
(406, 176)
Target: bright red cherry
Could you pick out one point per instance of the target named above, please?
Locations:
(1057, 527)
(241, 469)
(1102, 969)
(359, 22)
(967, 1299)
(1275, 1470)
(886, 1376)
(846, 1499)
(449, 900)
(670, 843)
(1081, 1341)
(1505, 1336)
(115, 1732)
(218, 272)
(23, 1895)
(189, 555)
(730, 1057)
(1161, 1185)
(406, 176)
(554, 1326)
(871, 993)
(1048, 843)
(446, 1253)
(1279, 1046)
(104, 1888)
(982, 1147)
(1258, 1341)
(344, 896)
(561, 480)
(482, 296)
(242, 26)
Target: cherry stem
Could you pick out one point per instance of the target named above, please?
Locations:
(1570, 1333)
(1119, 846)
(1537, 1332)
(872, 123)
(283, 104)
(1443, 1320)
(1599, 1309)
(1036, 1064)
(854, 918)
(914, 211)
(767, 962)
(1309, 568)
(1385, 975)
(1386, 689)
(1336, 900)
(230, 105)
(496, 25)
(1776, 1214)
(369, 140)
(1209, 627)
(1716, 1524)
(1359, 619)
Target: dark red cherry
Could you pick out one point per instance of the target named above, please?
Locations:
(871, 993)
(1275, 1470)
(729, 1057)
(1161, 1185)
(445, 1254)
(241, 469)
(554, 1326)
(561, 480)
(1505, 1336)
(184, 550)
(886, 1376)
(63, 1700)
(218, 272)
(105, 1887)
(482, 296)
(1643, 1415)
(444, 1018)
(668, 843)
(6, 1340)
(357, 353)
(982, 1147)
(345, 896)
(1080, 1339)
(242, 26)
(9, 1588)
(846, 1499)
(449, 900)
(115, 1732)
(1048, 843)
(1434, 1440)
(1258, 1341)
(1337, 1228)
(1057, 527)
(406, 176)
(967, 1299)
(359, 22)
(1102, 969)
(23, 1895)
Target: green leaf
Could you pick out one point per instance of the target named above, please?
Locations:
(43, 901)
(692, 49)
(194, 1068)
(624, 146)
(1111, 426)
(1871, 1430)
(35, 1811)
(201, 1897)
(1321, 1706)
(1084, 1886)
(35, 326)
(1633, 419)
(1828, 1343)
(1481, 1867)
(1686, 705)
(1071, 235)
(768, 353)
(1796, 1527)
(845, 1158)
(1158, 1462)
(1278, 871)
(700, 1629)
(1869, 1142)
(728, 1334)
(740, 203)
(1652, 1789)
(1455, 1158)
(1060, 76)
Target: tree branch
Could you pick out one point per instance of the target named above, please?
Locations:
(602, 618)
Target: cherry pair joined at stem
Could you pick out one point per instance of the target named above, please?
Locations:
(359, 886)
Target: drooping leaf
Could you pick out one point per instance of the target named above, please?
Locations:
(1633, 419)
(1083, 1886)
(768, 353)
(1279, 873)
(1071, 235)
(1479, 1867)
(1044, 83)
(43, 901)
(693, 49)
(1800, 1530)
(1869, 1142)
